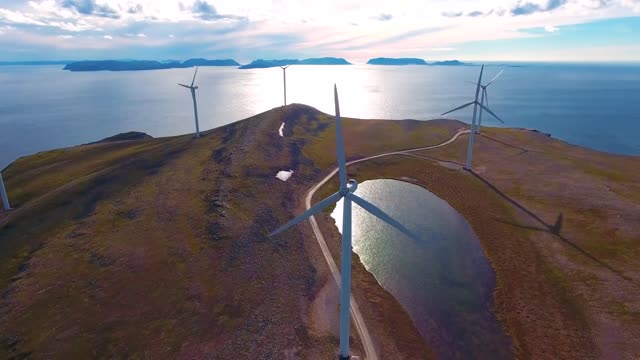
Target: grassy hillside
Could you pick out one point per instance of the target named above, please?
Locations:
(157, 248)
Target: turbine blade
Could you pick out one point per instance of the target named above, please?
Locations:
(459, 107)
(194, 77)
(494, 78)
(490, 112)
(486, 96)
(312, 210)
(342, 168)
(187, 86)
(377, 212)
(471, 82)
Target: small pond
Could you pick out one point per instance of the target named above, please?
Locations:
(443, 281)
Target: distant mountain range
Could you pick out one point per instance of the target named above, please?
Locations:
(129, 65)
(412, 61)
(133, 65)
(261, 64)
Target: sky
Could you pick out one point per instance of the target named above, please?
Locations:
(492, 30)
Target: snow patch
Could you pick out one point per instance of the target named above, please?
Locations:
(284, 175)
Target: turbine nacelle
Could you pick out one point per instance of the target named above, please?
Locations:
(352, 185)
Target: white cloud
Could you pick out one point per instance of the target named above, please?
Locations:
(550, 28)
(65, 36)
(73, 27)
(632, 4)
(5, 29)
(17, 17)
(256, 28)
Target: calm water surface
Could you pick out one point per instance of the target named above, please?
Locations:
(43, 107)
(444, 281)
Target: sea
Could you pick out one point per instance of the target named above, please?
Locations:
(45, 107)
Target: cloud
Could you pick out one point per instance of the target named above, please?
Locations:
(452, 14)
(17, 17)
(632, 4)
(90, 7)
(65, 36)
(525, 9)
(396, 38)
(245, 30)
(384, 17)
(550, 28)
(135, 9)
(528, 8)
(205, 11)
(141, 35)
(73, 27)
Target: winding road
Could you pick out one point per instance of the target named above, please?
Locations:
(356, 315)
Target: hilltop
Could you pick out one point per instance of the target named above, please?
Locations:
(261, 64)
(130, 65)
(158, 247)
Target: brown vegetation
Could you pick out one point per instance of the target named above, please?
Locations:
(157, 248)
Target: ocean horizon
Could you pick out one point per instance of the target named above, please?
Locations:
(587, 104)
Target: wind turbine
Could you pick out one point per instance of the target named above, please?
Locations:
(485, 97)
(195, 104)
(284, 79)
(475, 104)
(346, 192)
(3, 194)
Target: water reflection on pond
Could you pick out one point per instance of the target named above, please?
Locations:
(443, 281)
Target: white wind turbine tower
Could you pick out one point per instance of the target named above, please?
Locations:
(3, 194)
(346, 192)
(485, 97)
(284, 79)
(195, 104)
(476, 104)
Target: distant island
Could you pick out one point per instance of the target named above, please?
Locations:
(450, 63)
(135, 65)
(262, 64)
(413, 61)
(396, 61)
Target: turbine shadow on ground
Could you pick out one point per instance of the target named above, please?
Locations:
(523, 150)
(553, 229)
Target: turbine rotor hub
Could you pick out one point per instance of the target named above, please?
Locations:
(352, 185)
